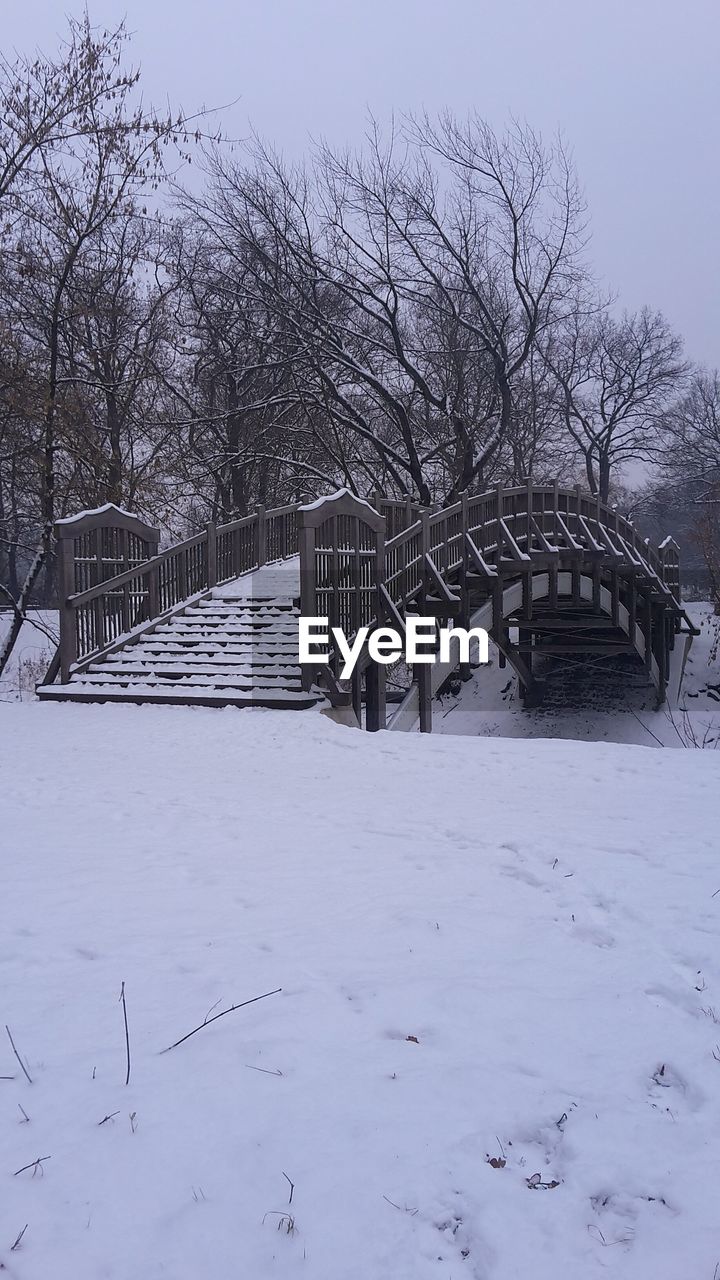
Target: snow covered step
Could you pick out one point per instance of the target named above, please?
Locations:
(202, 619)
(234, 664)
(238, 608)
(212, 640)
(220, 650)
(228, 629)
(252, 602)
(211, 631)
(260, 648)
(282, 700)
(149, 675)
(251, 650)
(263, 676)
(249, 625)
(258, 675)
(193, 680)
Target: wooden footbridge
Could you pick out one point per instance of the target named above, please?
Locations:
(548, 571)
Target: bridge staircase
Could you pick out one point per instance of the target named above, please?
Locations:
(219, 651)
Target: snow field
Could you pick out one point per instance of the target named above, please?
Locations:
(488, 950)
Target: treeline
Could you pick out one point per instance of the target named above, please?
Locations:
(419, 315)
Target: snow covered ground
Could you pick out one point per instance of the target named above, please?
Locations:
(31, 656)
(496, 1052)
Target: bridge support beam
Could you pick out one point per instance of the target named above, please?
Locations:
(662, 658)
(648, 633)
(424, 680)
(375, 708)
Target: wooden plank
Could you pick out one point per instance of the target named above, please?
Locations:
(569, 539)
(515, 552)
(594, 544)
(438, 582)
(478, 560)
(211, 538)
(549, 547)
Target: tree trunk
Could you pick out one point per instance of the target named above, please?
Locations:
(604, 485)
(21, 605)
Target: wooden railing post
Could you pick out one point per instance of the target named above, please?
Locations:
(423, 672)
(465, 669)
(376, 675)
(308, 607)
(375, 705)
(126, 623)
(408, 510)
(261, 535)
(669, 561)
(100, 603)
(578, 510)
(465, 517)
(66, 588)
(556, 508)
(154, 603)
(211, 553)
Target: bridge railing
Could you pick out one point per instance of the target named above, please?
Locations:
(568, 519)
(669, 557)
(112, 578)
(399, 513)
(98, 604)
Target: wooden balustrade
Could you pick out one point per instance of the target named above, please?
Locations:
(98, 604)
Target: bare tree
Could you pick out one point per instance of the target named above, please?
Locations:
(616, 379)
(411, 299)
(76, 182)
(689, 440)
(117, 352)
(688, 452)
(510, 235)
(47, 103)
(247, 441)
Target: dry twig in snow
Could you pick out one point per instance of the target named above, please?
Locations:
(127, 1034)
(207, 1021)
(17, 1055)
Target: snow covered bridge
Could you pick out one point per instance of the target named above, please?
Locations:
(213, 620)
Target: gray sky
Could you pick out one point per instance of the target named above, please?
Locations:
(634, 85)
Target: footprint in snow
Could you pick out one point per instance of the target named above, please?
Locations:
(673, 999)
(670, 1092)
(615, 1214)
(594, 934)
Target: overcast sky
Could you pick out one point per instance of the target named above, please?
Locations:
(633, 84)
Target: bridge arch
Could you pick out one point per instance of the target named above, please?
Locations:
(513, 596)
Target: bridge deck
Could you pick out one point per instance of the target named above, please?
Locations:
(279, 581)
